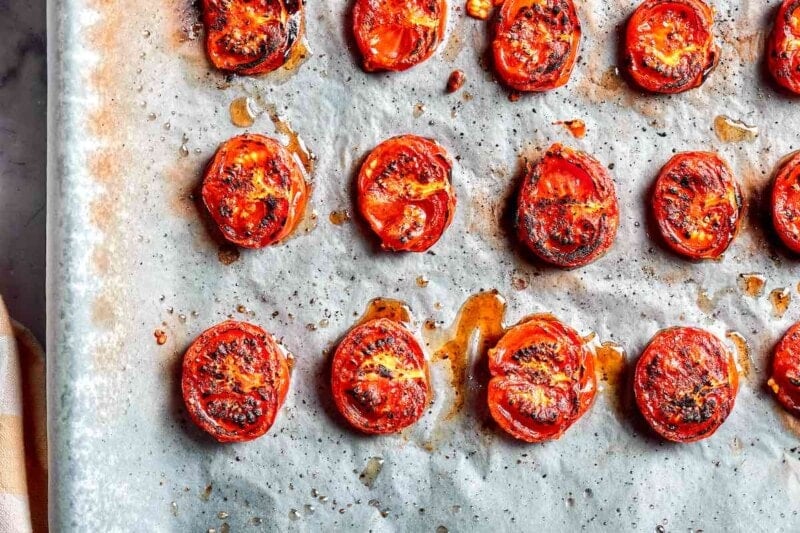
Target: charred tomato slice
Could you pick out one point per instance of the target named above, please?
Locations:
(395, 35)
(251, 36)
(567, 209)
(255, 191)
(783, 48)
(697, 205)
(786, 203)
(669, 45)
(543, 379)
(536, 43)
(235, 379)
(405, 193)
(785, 380)
(685, 384)
(380, 378)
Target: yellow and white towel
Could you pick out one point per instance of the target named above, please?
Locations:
(23, 430)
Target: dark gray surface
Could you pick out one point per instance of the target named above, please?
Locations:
(23, 89)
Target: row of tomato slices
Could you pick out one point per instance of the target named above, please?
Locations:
(567, 211)
(668, 47)
(542, 380)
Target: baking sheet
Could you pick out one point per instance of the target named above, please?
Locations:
(136, 111)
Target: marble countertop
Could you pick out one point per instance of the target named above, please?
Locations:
(23, 183)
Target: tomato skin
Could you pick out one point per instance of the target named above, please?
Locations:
(786, 203)
(785, 379)
(395, 35)
(685, 384)
(567, 208)
(255, 191)
(405, 193)
(235, 380)
(529, 30)
(697, 205)
(543, 379)
(688, 53)
(783, 55)
(237, 43)
(379, 377)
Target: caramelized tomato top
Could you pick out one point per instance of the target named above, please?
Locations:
(380, 378)
(567, 211)
(685, 384)
(405, 194)
(669, 46)
(255, 191)
(395, 35)
(786, 203)
(251, 36)
(697, 205)
(785, 380)
(536, 43)
(783, 49)
(543, 379)
(235, 379)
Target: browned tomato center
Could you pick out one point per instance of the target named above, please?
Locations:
(786, 203)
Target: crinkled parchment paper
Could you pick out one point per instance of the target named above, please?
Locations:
(136, 112)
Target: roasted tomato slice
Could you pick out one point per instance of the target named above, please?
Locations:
(685, 384)
(380, 378)
(398, 34)
(255, 191)
(785, 380)
(567, 209)
(786, 203)
(536, 43)
(783, 49)
(697, 205)
(543, 379)
(669, 46)
(251, 36)
(235, 379)
(405, 194)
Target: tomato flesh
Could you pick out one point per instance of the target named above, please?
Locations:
(405, 193)
(395, 35)
(685, 384)
(379, 377)
(536, 43)
(783, 48)
(255, 191)
(785, 380)
(697, 205)
(669, 45)
(567, 208)
(786, 203)
(251, 36)
(543, 379)
(235, 380)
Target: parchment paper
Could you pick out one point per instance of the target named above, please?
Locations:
(136, 112)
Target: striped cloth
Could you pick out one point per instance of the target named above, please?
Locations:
(23, 431)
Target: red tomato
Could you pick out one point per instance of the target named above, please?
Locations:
(405, 194)
(255, 191)
(379, 377)
(685, 384)
(567, 209)
(235, 379)
(669, 45)
(543, 379)
(697, 205)
(398, 34)
(786, 203)
(785, 380)
(251, 36)
(783, 48)
(536, 43)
